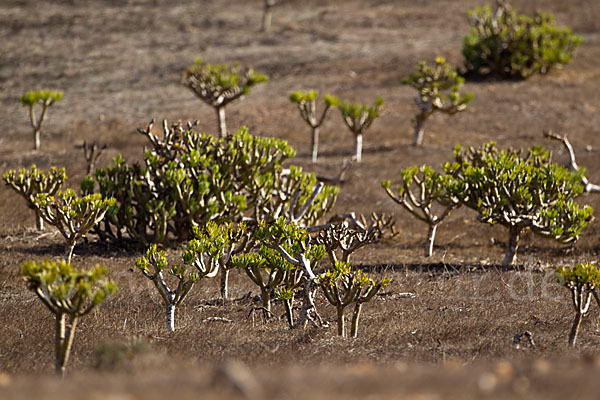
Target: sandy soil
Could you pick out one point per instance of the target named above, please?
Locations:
(119, 64)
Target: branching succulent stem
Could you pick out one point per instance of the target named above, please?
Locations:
(419, 123)
(430, 240)
(355, 318)
(341, 322)
(221, 124)
(512, 246)
(358, 145)
(314, 145)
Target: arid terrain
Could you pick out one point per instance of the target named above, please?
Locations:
(446, 326)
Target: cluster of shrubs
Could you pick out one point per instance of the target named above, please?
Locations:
(237, 207)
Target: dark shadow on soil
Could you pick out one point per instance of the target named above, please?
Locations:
(441, 268)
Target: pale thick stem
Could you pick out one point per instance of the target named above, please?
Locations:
(222, 126)
(575, 329)
(59, 343)
(70, 334)
(69, 255)
(36, 139)
(289, 312)
(430, 240)
(171, 317)
(315, 144)
(419, 131)
(341, 323)
(267, 16)
(355, 318)
(420, 127)
(358, 142)
(266, 302)
(39, 222)
(224, 284)
(511, 247)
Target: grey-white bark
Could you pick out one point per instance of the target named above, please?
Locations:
(315, 144)
(358, 145)
(221, 124)
(512, 246)
(430, 240)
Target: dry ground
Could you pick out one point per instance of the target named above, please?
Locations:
(119, 64)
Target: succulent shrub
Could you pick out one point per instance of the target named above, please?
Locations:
(74, 216)
(190, 178)
(358, 118)
(342, 287)
(508, 44)
(221, 242)
(33, 181)
(44, 98)
(519, 192)
(306, 102)
(200, 260)
(69, 293)
(349, 234)
(219, 84)
(439, 91)
(284, 262)
(423, 193)
(582, 280)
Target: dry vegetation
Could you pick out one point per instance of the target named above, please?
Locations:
(452, 318)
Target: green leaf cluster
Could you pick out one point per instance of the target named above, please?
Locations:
(359, 117)
(65, 289)
(508, 44)
(439, 87)
(520, 191)
(579, 275)
(220, 84)
(189, 179)
(33, 181)
(74, 216)
(44, 97)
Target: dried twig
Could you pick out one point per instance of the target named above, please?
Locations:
(588, 186)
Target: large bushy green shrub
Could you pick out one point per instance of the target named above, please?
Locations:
(188, 179)
(519, 191)
(508, 44)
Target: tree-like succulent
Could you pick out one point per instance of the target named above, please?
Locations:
(439, 91)
(219, 84)
(348, 234)
(221, 242)
(70, 294)
(423, 193)
(508, 44)
(358, 118)
(266, 269)
(519, 192)
(342, 287)
(33, 181)
(582, 280)
(74, 216)
(200, 260)
(45, 98)
(306, 102)
(189, 179)
(284, 262)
